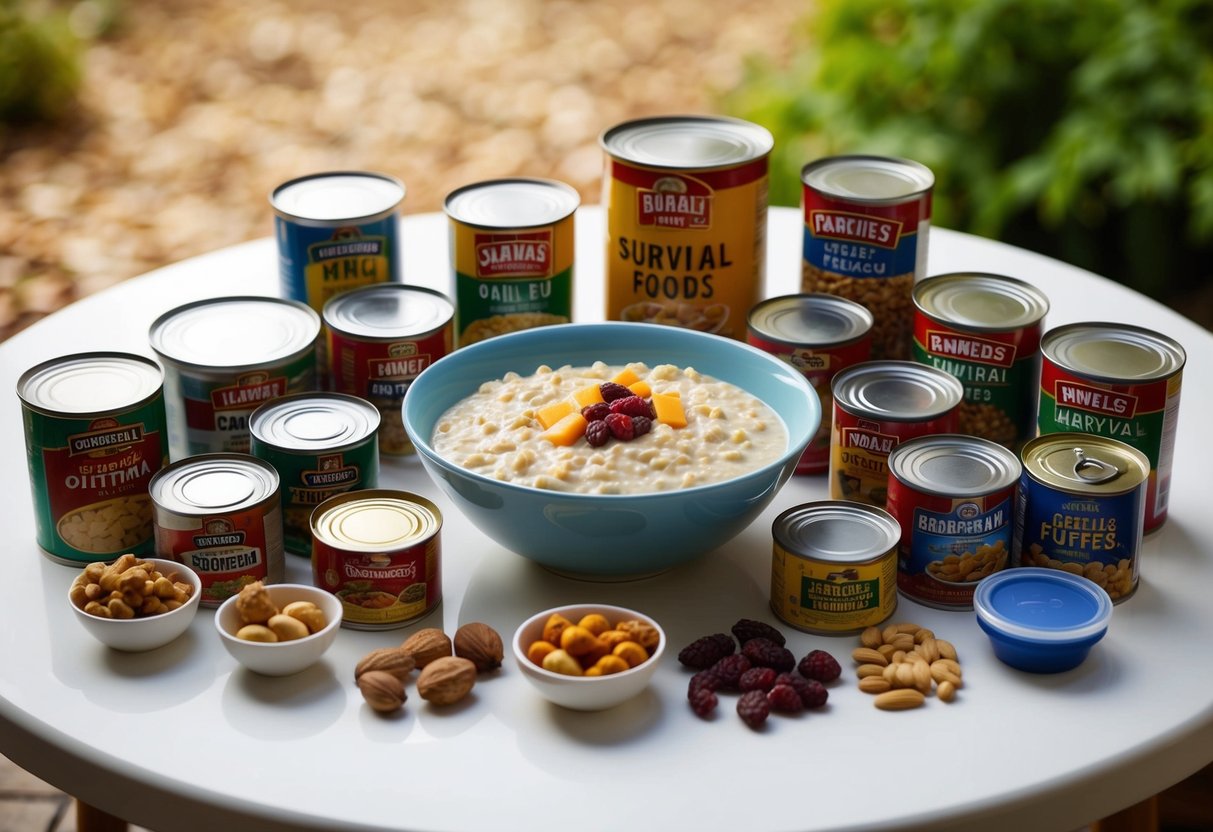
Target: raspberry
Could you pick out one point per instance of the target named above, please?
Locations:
(704, 652)
(597, 434)
(729, 669)
(630, 406)
(757, 678)
(819, 665)
(641, 425)
(703, 702)
(746, 629)
(703, 680)
(813, 694)
(766, 653)
(753, 708)
(611, 391)
(620, 426)
(596, 412)
(785, 698)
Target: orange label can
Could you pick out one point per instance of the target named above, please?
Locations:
(686, 203)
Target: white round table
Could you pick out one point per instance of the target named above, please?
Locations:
(183, 738)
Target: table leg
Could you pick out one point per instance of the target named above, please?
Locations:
(92, 819)
(1141, 817)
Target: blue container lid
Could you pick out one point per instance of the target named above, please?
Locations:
(1042, 605)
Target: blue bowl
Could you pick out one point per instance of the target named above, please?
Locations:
(1041, 620)
(610, 536)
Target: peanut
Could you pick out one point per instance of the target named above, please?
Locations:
(127, 588)
(903, 663)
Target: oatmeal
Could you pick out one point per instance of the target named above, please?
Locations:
(530, 430)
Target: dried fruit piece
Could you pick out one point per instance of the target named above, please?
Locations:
(426, 645)
(728, 671)
(611, 391)
(757, 678)
(764, 652)
(646, 635)
(813, 694)
(446, 680)
(785, 698)
(746, 629)
(641, 425)
(480, 644)
(703, 680)
(753, 708)
(630, 405)
(597, 434)
(820, 665)
(703, 702)
(620, 426)
(704, 652)
(595, 412)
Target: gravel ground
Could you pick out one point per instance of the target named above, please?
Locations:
(191, 113)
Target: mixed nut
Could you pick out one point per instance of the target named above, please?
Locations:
(262, 621)
(903, 663)
(593, 646)
(448, 667)
(128, 588)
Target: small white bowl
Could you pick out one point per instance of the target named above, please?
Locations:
(284, 657)
(585, 693)
(138, 635)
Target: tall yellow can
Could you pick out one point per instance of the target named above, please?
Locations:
(686, 203)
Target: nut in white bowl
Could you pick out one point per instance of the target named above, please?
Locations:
(586, 693)
(143, 633)
(284, 657)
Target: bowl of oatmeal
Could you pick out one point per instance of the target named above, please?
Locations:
(613, 449)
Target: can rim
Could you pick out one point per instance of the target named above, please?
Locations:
(262, 424)
(559, 213)
(613, 139)
(1004, 466)
(1036, 303)
(29, 375)
(946, 389)
(923, 174)
(1054, 344)
(859, 515)
(161, 485)
(331, 510)
(156, 338)
(1035, 450)
(313, 222)
(860, 318)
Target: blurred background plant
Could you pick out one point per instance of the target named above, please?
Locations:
(1080, 130)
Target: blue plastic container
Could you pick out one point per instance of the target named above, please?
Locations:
(1041, 620)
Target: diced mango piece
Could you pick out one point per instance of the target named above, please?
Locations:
(553, 413)
(587, 395)
(669, 410)
(641, 388)
(567, 431)
(626, 377)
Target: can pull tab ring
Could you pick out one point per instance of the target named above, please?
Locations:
(1092, 470)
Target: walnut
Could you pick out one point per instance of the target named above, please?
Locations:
(480, 644)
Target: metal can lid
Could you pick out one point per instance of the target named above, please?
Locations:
(213, 484)
(814, 319)
(1113, 352)
(235, 332)
(375, 520)
(837, 530)
(340, 196)
(870, 179)
(981, 301)
(512, 203)
(687, 142)
(953, 465)
(1085, 464)
(93, 383)
(897, 391)
(314, 422)
(388, 312)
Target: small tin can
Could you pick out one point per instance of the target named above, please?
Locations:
(379, 551)
(819, 335)
(834, 569)
(1118, 381)
(954, 497)
(320, 444)
(866, 221)
(336, 231)
(380, 338)
(220, 515)
(225, 356)
(686, 206)
(512, 247)
(95, 434)
(984, 329)
(877, 406)
(1081, 508)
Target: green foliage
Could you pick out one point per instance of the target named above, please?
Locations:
(1083, 129)
(39, 62)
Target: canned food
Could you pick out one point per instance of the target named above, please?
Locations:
(834, 569)
(819, 335)
(225, 356)
(511, 255)
(380, 338)
(1081, 507)
(877, 406)
(320, 444)
(95, 434)
(866, 220)
(686, 205)
(379, 552)
(336, 232)
(984, 329)
(220, 515)
(954, 497)
(1121, 382)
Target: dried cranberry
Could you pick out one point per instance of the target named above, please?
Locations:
(764, 652)
(620, 426)
(630, 406)
(596, 412)
(813, 694)
(785, 698)
(746, 629)
(704, 652)
(641, 425)
(757, 678)
(597, 434)
(820, 665)
(753, 708)
(611, 391)
(729, 669)
(703, 702)
(704, 679)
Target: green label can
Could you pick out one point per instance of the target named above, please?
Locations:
(95, 434)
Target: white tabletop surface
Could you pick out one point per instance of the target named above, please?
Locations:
(184, 739)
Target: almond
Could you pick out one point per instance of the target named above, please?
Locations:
(866, 670)
(901, 699)
(866, 655)
(874, 684)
